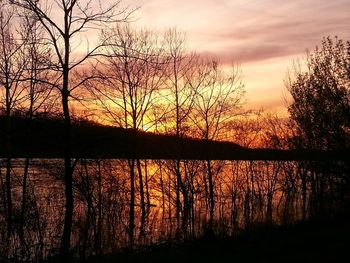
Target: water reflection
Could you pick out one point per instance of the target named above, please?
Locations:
(133, 203)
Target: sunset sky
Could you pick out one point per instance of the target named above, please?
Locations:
(263, 36)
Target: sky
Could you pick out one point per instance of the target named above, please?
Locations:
(262, 36)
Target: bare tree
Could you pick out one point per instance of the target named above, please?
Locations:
(11, 69)
(218, 97)
(68, 23)
(132, 74)
(38, 94)
(180, 81)
(179, 96)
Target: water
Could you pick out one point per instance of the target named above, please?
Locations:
(177, 202)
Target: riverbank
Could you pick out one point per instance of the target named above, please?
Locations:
(313, 241)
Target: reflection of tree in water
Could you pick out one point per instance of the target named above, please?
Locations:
(247, 193)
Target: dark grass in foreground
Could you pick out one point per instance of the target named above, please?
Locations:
(314, 241)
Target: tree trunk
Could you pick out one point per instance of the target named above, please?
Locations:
(211, 196)
(8, 196)
(68, 172)
(99, 231)
(132, 203)
(24, 200)
(142, 198)
(178, 185)
(304, 192)
(8, 161)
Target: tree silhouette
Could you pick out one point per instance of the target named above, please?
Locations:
(130, 76)
(218, 97)
(37, 96)
(180, 94)
(320, 109)
(68, 22)
(320, 116)
(12, 65)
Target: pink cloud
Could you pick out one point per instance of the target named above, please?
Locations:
(264, 36)
(225, 25)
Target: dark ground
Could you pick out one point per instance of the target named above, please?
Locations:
(314, 241)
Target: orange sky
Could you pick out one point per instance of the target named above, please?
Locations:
(263, 36)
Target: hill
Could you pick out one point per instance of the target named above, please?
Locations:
(43, 138)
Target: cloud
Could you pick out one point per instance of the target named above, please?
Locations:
(263, 36)
(254, 53)
(248, 30)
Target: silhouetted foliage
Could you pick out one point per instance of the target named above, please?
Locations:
(320, 119)
(320, 110)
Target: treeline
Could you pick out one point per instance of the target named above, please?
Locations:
(41, 137)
